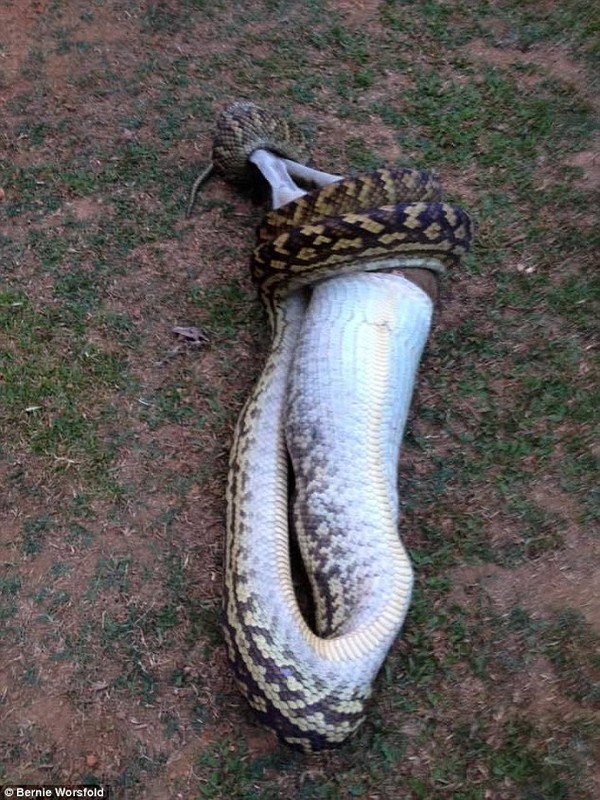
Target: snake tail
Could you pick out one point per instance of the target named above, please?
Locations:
(204, 176)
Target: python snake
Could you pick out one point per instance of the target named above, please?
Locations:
(333, 399)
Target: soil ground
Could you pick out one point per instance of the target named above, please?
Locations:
(115, 433)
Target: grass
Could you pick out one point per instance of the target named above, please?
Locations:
(48, 373)
(114, 436)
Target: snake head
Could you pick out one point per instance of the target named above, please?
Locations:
(244, 127)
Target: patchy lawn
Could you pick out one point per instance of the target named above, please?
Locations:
(114, 435)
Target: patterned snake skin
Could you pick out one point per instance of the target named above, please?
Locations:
(310, 682)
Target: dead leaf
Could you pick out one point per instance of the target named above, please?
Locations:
(192, 333)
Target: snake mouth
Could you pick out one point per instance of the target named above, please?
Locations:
(282, 173)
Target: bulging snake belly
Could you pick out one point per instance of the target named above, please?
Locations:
(332, 399)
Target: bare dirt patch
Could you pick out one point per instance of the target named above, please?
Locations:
(551, 60)
(566, 578)
(589, 162)
(357, 12)
(18, 20)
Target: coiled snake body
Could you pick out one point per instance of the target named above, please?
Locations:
(333, 397)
